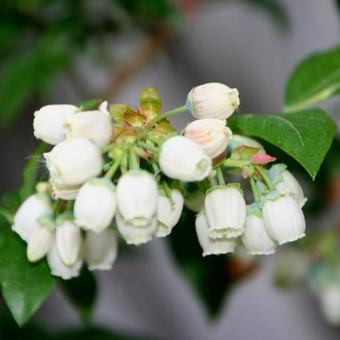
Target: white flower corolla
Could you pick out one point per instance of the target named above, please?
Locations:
(211, 134)
(283, 218)
(63, 192)
(59, 268)
(68, 239)
(93, 125)
(286, 183)
(41, 238)
(181, 158)
(237, 141)
(169, 212)
(95, 205)
(137, 197)
(49, 122)
(255, 238)
(136, 235)
(212, 246)
(73, 162)
(225, 210)
(101, 249)
(330, 303)
(212, 100)
(30, 210)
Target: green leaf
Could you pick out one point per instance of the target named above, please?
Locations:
(207, 275)
(25, 286)
(91, 104)
(82, 292)
(314, 80)
(30, 172)
(306, 136)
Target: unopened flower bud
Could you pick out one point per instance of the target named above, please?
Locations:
(330, 303)
(286, 183)
(212, 100)
(49, 122)
(181, 158)
(255, 237)
(211, 134)
(168, 213)
(73, 162)
(237, 141)
(40, 239)
(93, 125)
(137, 197)
(68, 239)
(212, 246)
(283, 218)
(30, 210)
(95, 205)
(133, 234)
(58, 267)
(225, 211)
(101, 249)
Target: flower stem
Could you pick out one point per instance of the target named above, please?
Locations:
(114, 167)
(254, 189)
(235, 163)
(220, 176)
(148, 147)
(170, 113)
(133, 160)
(263, 173)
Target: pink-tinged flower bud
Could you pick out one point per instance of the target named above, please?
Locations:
(137, 197)
(133, 234)
(27, 215)
(255, 238)
(225, 210)
(181, 158)
(212, 100)
(211, 134)
(41, 238)
(49, 122)
(286, 183)
(283, 218)
(169, 212)
(73, 162)
(262, 158)
(93, 125)
(101, 249)
(212, 246)
(59, 268)
(68, 239)
(95, 205)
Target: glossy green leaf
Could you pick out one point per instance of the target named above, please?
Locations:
(306, 136)
(30, 172)
(82, 293)
(24, 285)
(314, 80)
(91, 104)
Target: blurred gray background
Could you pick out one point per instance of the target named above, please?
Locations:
(145, 293)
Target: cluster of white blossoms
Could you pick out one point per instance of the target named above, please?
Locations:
(115, 171)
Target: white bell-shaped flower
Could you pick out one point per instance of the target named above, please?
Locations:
(101, 249)
(181, 158)
(59, 268)
(286, 183)
(212, 100)
(225, 211)
(64, 192)
(169, 212)
(255, 238)
(30, 210)
(136, 235)
(330, 303)
(93, 125)
(211, 134)
(49, 122)
(283, 218)
(41, 238)
(73, 162)
(68, 239)
(212, 246)
(95, 205)
(237, 141)
(137, 197)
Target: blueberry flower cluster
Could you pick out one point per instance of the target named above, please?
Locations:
(119, 173)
